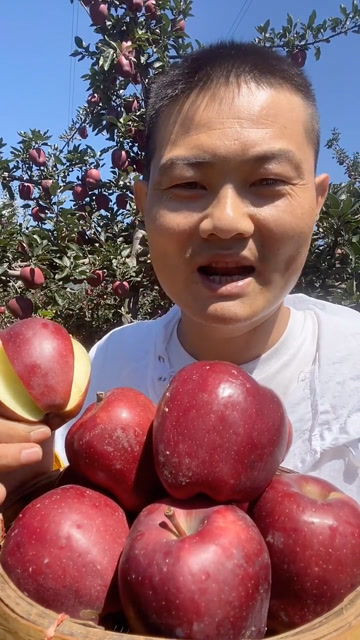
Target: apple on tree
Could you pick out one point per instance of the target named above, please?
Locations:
(196, 570)
(63, 549)
(218, 432)
(44, 372)
(312, 531)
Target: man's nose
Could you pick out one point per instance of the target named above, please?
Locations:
(228, 215)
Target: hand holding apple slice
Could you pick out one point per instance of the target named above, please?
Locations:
(44, 372)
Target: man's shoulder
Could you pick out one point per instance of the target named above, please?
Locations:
(328, 313)
(136, 335)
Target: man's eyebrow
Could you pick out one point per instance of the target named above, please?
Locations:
(275, 156)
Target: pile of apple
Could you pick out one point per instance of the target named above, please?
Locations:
(178, 518)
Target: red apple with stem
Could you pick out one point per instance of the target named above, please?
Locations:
(121, 288)
(124, 66)
(63, 551)
(38, 213)
(96, 277)
(219, 432)
(312, 531)
(92, 178)
(93, 100)
(111, 445)
(195, 570)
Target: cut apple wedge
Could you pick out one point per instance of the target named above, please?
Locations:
(15, 402)
(81, 379)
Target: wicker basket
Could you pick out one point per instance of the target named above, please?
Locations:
(22, 619)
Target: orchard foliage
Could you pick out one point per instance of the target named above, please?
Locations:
(68, 209)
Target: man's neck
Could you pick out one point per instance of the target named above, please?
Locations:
(239, 345)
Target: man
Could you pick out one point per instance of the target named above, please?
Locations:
(230, 201)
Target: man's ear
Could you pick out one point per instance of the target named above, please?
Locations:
(322, 183)
(140, 189)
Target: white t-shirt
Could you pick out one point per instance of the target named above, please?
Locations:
(314, 368)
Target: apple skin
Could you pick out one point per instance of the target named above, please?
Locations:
(38, 350)
(213, 583)
(119, 159)
(63, 549)
(80, 192)
(111, 445)
(218, 432)
(312, 530)
(20, 307)
(26, 190)
(32, 277)
(38, 157)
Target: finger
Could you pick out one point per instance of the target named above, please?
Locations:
(2, 493)
(18, 455)
(11, 432)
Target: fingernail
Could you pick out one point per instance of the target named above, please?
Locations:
(31, 455)
(40, 434)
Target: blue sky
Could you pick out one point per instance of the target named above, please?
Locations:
(41, 85)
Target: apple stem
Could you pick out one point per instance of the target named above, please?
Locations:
(100, 396)
(172, 517)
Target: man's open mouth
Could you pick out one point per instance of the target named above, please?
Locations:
(223, 274)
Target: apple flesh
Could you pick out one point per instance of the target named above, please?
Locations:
(111, 445)
(44, 372)
(62, 551)
(195, 570)
(218, 432)
(312, 530)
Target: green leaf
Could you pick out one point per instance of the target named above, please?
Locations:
(312, 19)
(79, 42)
(344, 10)
(317, 53)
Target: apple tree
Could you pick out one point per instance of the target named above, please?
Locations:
(73, 247)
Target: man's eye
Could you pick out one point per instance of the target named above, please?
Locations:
(188, 185)
(269, 182)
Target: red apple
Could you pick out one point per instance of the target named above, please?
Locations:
(26, 190)
(91, 178)
(195, 570)
(2, 310)
(45, 187)
(124, 66)
(83, 131)
(151, 8)
(38, 213)
(219, 432)
(44, 372)
(20, 307)
(298, 58)
(122, 200)
(179, 25)
(111, 445)
(63, 550)
(131, 105)
(312, 530)
(98, 13)
(119, 159)
(93, 100)
(121, 288)
(32, 277)
(38, 157)
(135, 5)
(80, 192)
(96, 277)
(102, 201)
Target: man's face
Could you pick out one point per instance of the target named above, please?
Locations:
(231, 203)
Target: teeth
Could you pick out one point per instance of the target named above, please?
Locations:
(226, 279)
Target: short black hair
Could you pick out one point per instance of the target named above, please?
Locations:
(222, 63)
